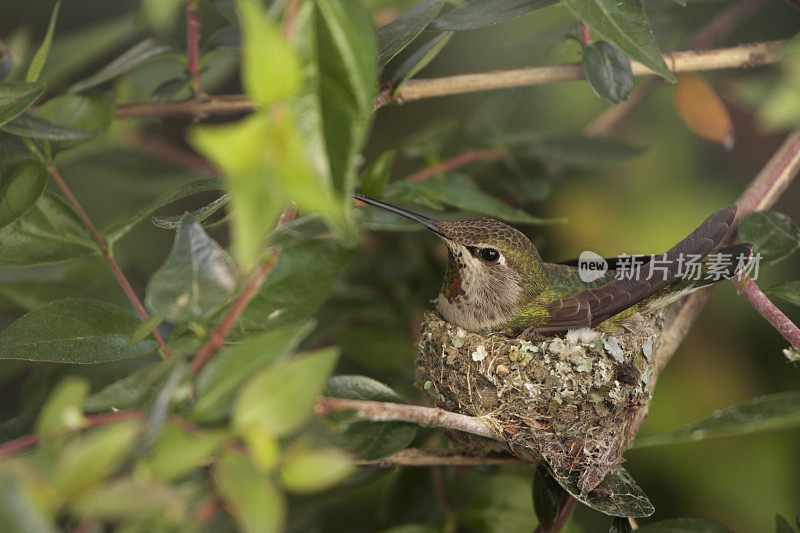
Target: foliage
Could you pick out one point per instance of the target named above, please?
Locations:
(118, 431)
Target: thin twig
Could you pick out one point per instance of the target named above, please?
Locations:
(737, 57)
(172, 154)
(193, 46)
(419, 457)
(388, 412)
(100, 419)
(455, 163)
(769, 311)
(258, 276)
(101, 244)
(720, 26)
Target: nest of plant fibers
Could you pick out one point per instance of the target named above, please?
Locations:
(570, 403)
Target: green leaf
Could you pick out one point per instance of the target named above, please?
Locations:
(19, 508)
(368, 440)
(183, 191)
(777, 411)
(16, 97)
(547, 494)
(201, 214)
(40, 57)
(580, 151)
(19, 189)
(162, 14)
(617, 495)
(130, 391)
(73, 331)
(684, 525)
(87, 114)
(789, 291)
(377, 175)
(315, 470)
(296, 287)
(177, 453)
(130, 498)
(334, 107)
(223, 375)
(270, 68)
(482, 13)
(50, 231)
(280, 398)
(89, 458)
(64, 407)
(419, 59)
(197, 278)
(623, 24)
(782, 525)
(256, 504)
(38, 128)
(399, 33)
(137, 55)
(774, 235)
(460, 191)
(145, 329)
(608, 71)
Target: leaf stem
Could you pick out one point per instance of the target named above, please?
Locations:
(769, 311)
(455, 163)
(193, 46)
(258, 276)
(586, 34)
(101, 244)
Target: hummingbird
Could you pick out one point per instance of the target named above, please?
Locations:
(496, 282)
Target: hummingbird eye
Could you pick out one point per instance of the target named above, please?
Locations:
(490, 255)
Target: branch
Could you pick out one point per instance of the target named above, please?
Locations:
(455, 163)
(172, 154)
(426, 458)
(769, 311)
(744, 56)
(396, 412)
(193, 46)
(101, 244)
(258, 276)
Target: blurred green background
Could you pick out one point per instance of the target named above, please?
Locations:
(642, 205)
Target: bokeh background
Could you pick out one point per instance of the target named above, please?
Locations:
(640, 205)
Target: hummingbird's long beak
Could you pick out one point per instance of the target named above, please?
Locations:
(429, 223)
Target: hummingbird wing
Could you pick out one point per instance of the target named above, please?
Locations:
(591, 307)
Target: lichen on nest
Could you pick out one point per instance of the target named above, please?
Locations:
(569, 403)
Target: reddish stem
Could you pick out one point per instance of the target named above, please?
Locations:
(455, 163)
(769, 311)
(217, 338)
(290, 18)
(193, 45)
(586, 34)
(172, 154)
(101, 244)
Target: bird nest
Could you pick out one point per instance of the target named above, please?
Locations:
(570, 403)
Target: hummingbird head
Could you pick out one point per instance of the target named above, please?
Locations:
(492, 269)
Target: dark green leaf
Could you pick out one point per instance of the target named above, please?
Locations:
(228, 38)
(129, 60)
(430, 139)
(420, 59)
(620, 525)
(64, 407)
(280, 398)
(581, 151)
(377, 175)
(19, 190)
(16, 97)
(224, 374)
(778, 411)
(617, 495)
(684, 525)
(782, 525)
(73, 331)
(396, 35)
(145, 329)
(481, 13)
(196, 187)
(201, 214)
(89, 114)
(499, 504)
(50, 231)
(460, 191)
(547, 494)
(295, 289)
(774, 235)
(196, 279)
(368, 440)
(608, 71)
(129, 391)
(623, 24)
(38, 128)
(227, 9)
(39, 59)
(789, 291)
(256, 504)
